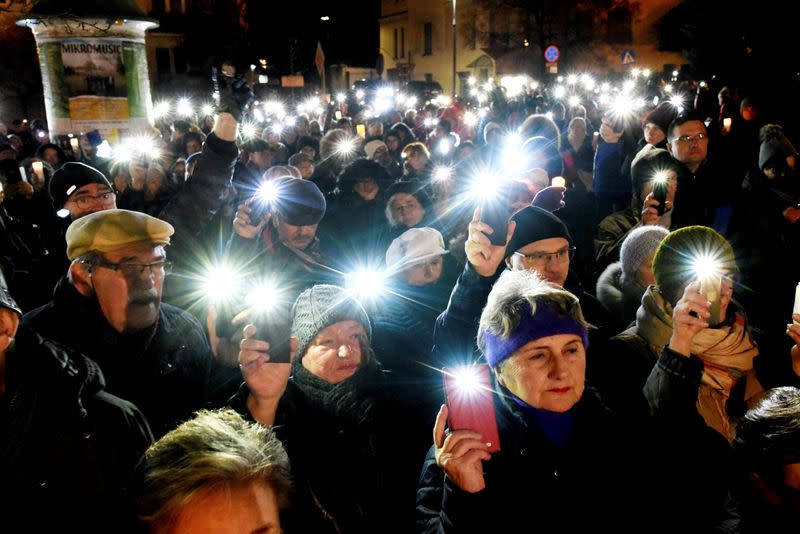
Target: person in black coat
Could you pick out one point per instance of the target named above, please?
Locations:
(109, 308)
(352, 443)
(559, 447)
(67, 447)
(537, 241)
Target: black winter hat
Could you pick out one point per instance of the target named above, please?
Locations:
(299, 202)
(363, 168)
(662, 115)
(535, 224)
(7, 301)
(70, 177)
(412, 188)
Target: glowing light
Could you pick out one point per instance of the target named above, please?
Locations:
(668, 88)
(705, 266)
(488, 86)
(184, 107)
(161, 109)
(382, 105)
(661, 178)
(483, 186)
(386, 92)
(605, 87)
(703, 85)
(646, 73)
(289, 121)
(655, 100)
(220, 283)
(365, 284)
(470, 119)
(674, 73)
(534, 85)
(512, 139)
(558, 181)
(442, 173)
(104, 150)
(574, 101)
(482, 98)
(514, 85)
(277, 128)
(676, 101)
(628, 85)
(444, 147)
(207, 110)
(560, 91)
(572, 79)
(360, 94)
(346, 147)
(411, 101)
(635, 72)
(400, 98)
(263, 297)
(248, 129)
(258, 115)
(467, 380)
(471, 80)
(341, 97)
(587, 81)
(122, 153)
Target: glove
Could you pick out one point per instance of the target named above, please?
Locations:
(233, 94)
(550, 198)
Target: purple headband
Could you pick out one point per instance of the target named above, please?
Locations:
(545, 322)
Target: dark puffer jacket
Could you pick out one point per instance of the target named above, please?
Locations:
(66, 446)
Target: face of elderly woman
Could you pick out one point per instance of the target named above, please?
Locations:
(547, 373)
(334, 355)
(406, 209)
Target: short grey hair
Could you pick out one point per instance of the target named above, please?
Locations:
(215, 449)
(507, 300)
(89, 259)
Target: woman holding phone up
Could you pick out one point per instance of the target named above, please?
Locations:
(560, 449)
(352, 444)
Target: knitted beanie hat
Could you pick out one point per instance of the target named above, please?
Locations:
(321, 306)
(637, 247)
(673, 264)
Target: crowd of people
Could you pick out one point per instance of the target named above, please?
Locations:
(238, 322)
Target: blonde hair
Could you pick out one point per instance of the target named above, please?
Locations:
(212, 450)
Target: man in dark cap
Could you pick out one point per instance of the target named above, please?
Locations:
(78, 189)
(109, 307)
(275, 236)
(536, 241)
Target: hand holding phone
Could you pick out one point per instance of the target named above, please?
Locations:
(660, 193)
(470, 402)
(711, 288)
(495, 214)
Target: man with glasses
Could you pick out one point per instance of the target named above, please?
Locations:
(78, 190)
(704, 189)
(109, 307)
(537, 241)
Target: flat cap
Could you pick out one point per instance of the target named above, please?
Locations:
(109, 230)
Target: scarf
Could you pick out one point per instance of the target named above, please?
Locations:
(726, 351)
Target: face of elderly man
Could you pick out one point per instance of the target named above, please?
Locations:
(127, 285)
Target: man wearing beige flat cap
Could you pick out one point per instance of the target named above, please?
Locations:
(109, 307)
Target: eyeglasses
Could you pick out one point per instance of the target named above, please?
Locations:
(85, 201)
(543, 258)
(686, 139)
(132, 270)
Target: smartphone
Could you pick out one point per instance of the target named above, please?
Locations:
(258, 209)
(470, 402)
(337, 114)
(361, 129)
(660, 193)
(711, 288)
(23, 176)
(495, 213)
(275, 327)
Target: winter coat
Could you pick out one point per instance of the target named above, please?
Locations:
(355, 224)
(534, 486)
(164, 370)
(67, 446)
(354, 451)
(620, 299)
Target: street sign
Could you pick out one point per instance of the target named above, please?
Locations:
(551, 54)
(292, 81)
(627, 57)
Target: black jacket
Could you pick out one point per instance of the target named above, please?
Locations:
(533, 486)
(68, 447)
(354, 459)
(164, 370)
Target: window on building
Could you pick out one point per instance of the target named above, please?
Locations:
(402, 42)
(428, 45)
(395, 44)
(162, 61)
(619, 25)
(179, 56)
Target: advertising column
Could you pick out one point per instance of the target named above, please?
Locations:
(94, 75)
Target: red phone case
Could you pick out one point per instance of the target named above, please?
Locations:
(472, 408)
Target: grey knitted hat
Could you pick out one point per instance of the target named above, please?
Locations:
(321, 306)
(637, 247)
